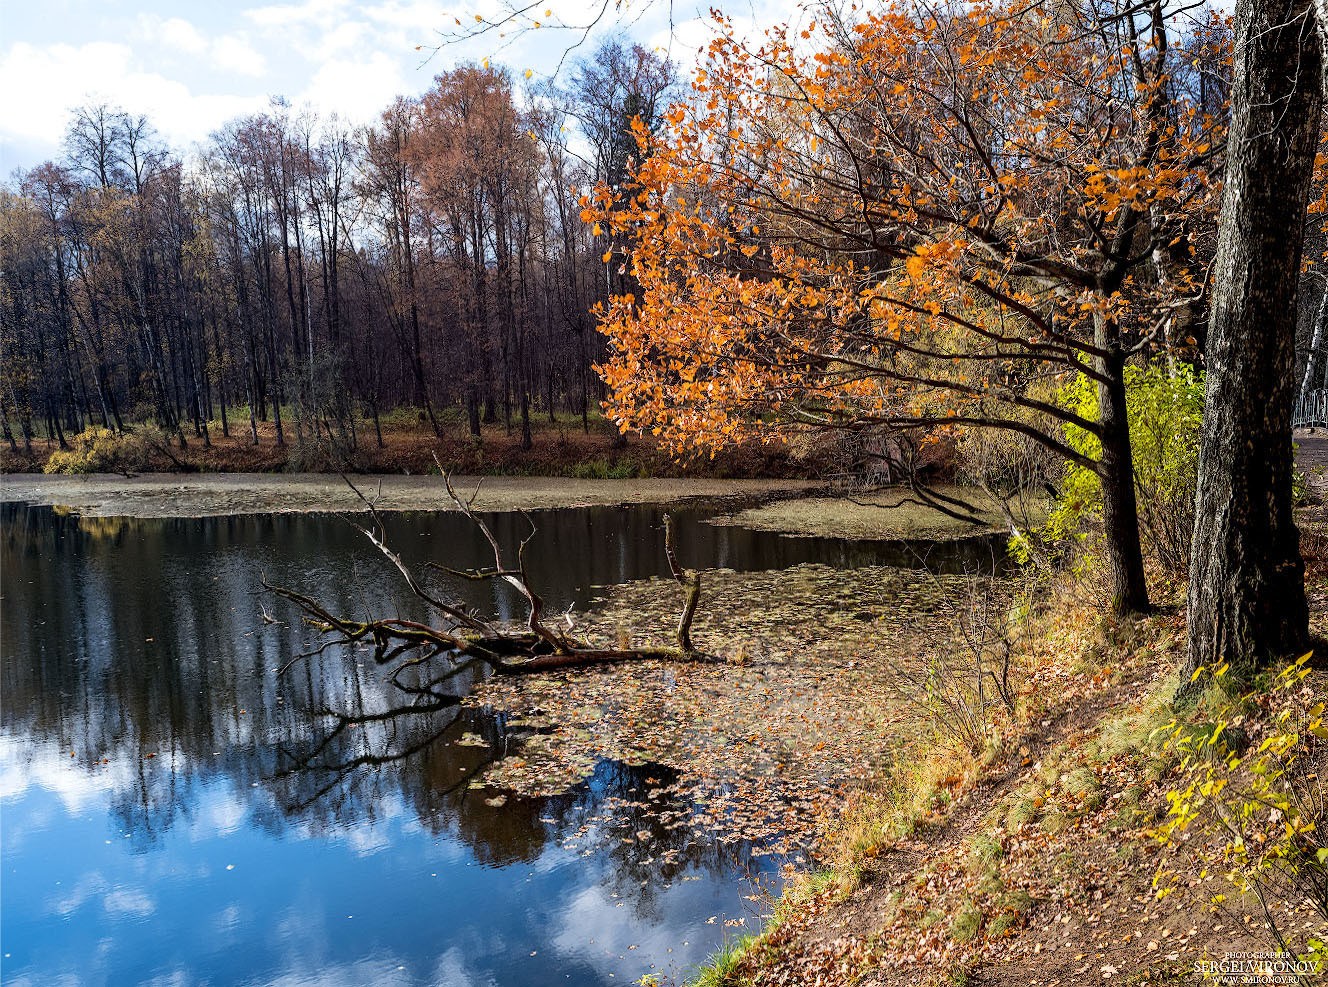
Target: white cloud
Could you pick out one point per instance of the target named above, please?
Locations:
(310, 12)
(129, 901)
(233, 53)
(57, 78)
(357, 88)
(191, 73)
(228, 53)
(172, 32)
(413, 17)
(43, 765)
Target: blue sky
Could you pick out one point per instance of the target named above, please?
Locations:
(192, 66)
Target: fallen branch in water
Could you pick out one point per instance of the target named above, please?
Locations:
(464, 640)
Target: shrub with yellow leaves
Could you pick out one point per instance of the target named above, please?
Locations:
(1249, 800)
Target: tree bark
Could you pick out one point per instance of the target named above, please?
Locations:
(1247, 602)
(1120, 509)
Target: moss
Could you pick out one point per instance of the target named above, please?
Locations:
(983, 853)
(932, 917)
(1002, 924)
(1079, 782)
(967, 923)
(1136, 731)
(1048, 771)
(1055, 822)
(1018, 901)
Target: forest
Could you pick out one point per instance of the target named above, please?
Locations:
(297, 266)
(957, 618)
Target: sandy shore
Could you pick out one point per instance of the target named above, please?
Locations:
(211, 494)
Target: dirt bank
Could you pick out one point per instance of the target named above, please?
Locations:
(409, 446)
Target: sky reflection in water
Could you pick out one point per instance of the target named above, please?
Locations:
(173, 812)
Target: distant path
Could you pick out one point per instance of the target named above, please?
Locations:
(1312, 458)
(212, 494)
(1313, 449)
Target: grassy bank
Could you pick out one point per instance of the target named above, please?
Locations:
(408, 446)
(1046, 849)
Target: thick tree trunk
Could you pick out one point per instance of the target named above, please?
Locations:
(1247, 592)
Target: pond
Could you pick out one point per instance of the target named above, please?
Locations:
(174, 811)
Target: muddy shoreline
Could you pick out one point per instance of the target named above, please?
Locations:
(211, 495)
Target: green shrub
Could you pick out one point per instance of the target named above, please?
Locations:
(1022, 812)
(599, 469)
(1164, 405)
(722, 967)
(966, 923)
(984, 853)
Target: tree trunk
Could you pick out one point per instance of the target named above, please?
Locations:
(1316, 340)
(1247, 589)
(1120, 509)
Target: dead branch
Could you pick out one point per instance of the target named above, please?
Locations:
(468, 641)
(690, 583)
(459, 617)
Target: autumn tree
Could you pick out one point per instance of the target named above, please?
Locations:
(922, 218)
(475, 162)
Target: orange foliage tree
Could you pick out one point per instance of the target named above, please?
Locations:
(923, 218)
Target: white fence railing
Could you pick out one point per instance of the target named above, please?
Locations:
(1311, 410)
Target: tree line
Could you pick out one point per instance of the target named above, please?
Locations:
(300, 271)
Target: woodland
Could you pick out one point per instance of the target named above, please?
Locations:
(313, 276)
(1053, 269)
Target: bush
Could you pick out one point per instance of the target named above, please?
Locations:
(99, 450)
(1249, 790)
(1165, 407)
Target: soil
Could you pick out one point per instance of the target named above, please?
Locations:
(1093, 914)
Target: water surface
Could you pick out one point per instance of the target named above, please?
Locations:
(175, 812)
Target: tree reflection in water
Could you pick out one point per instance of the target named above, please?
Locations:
(138, 647)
